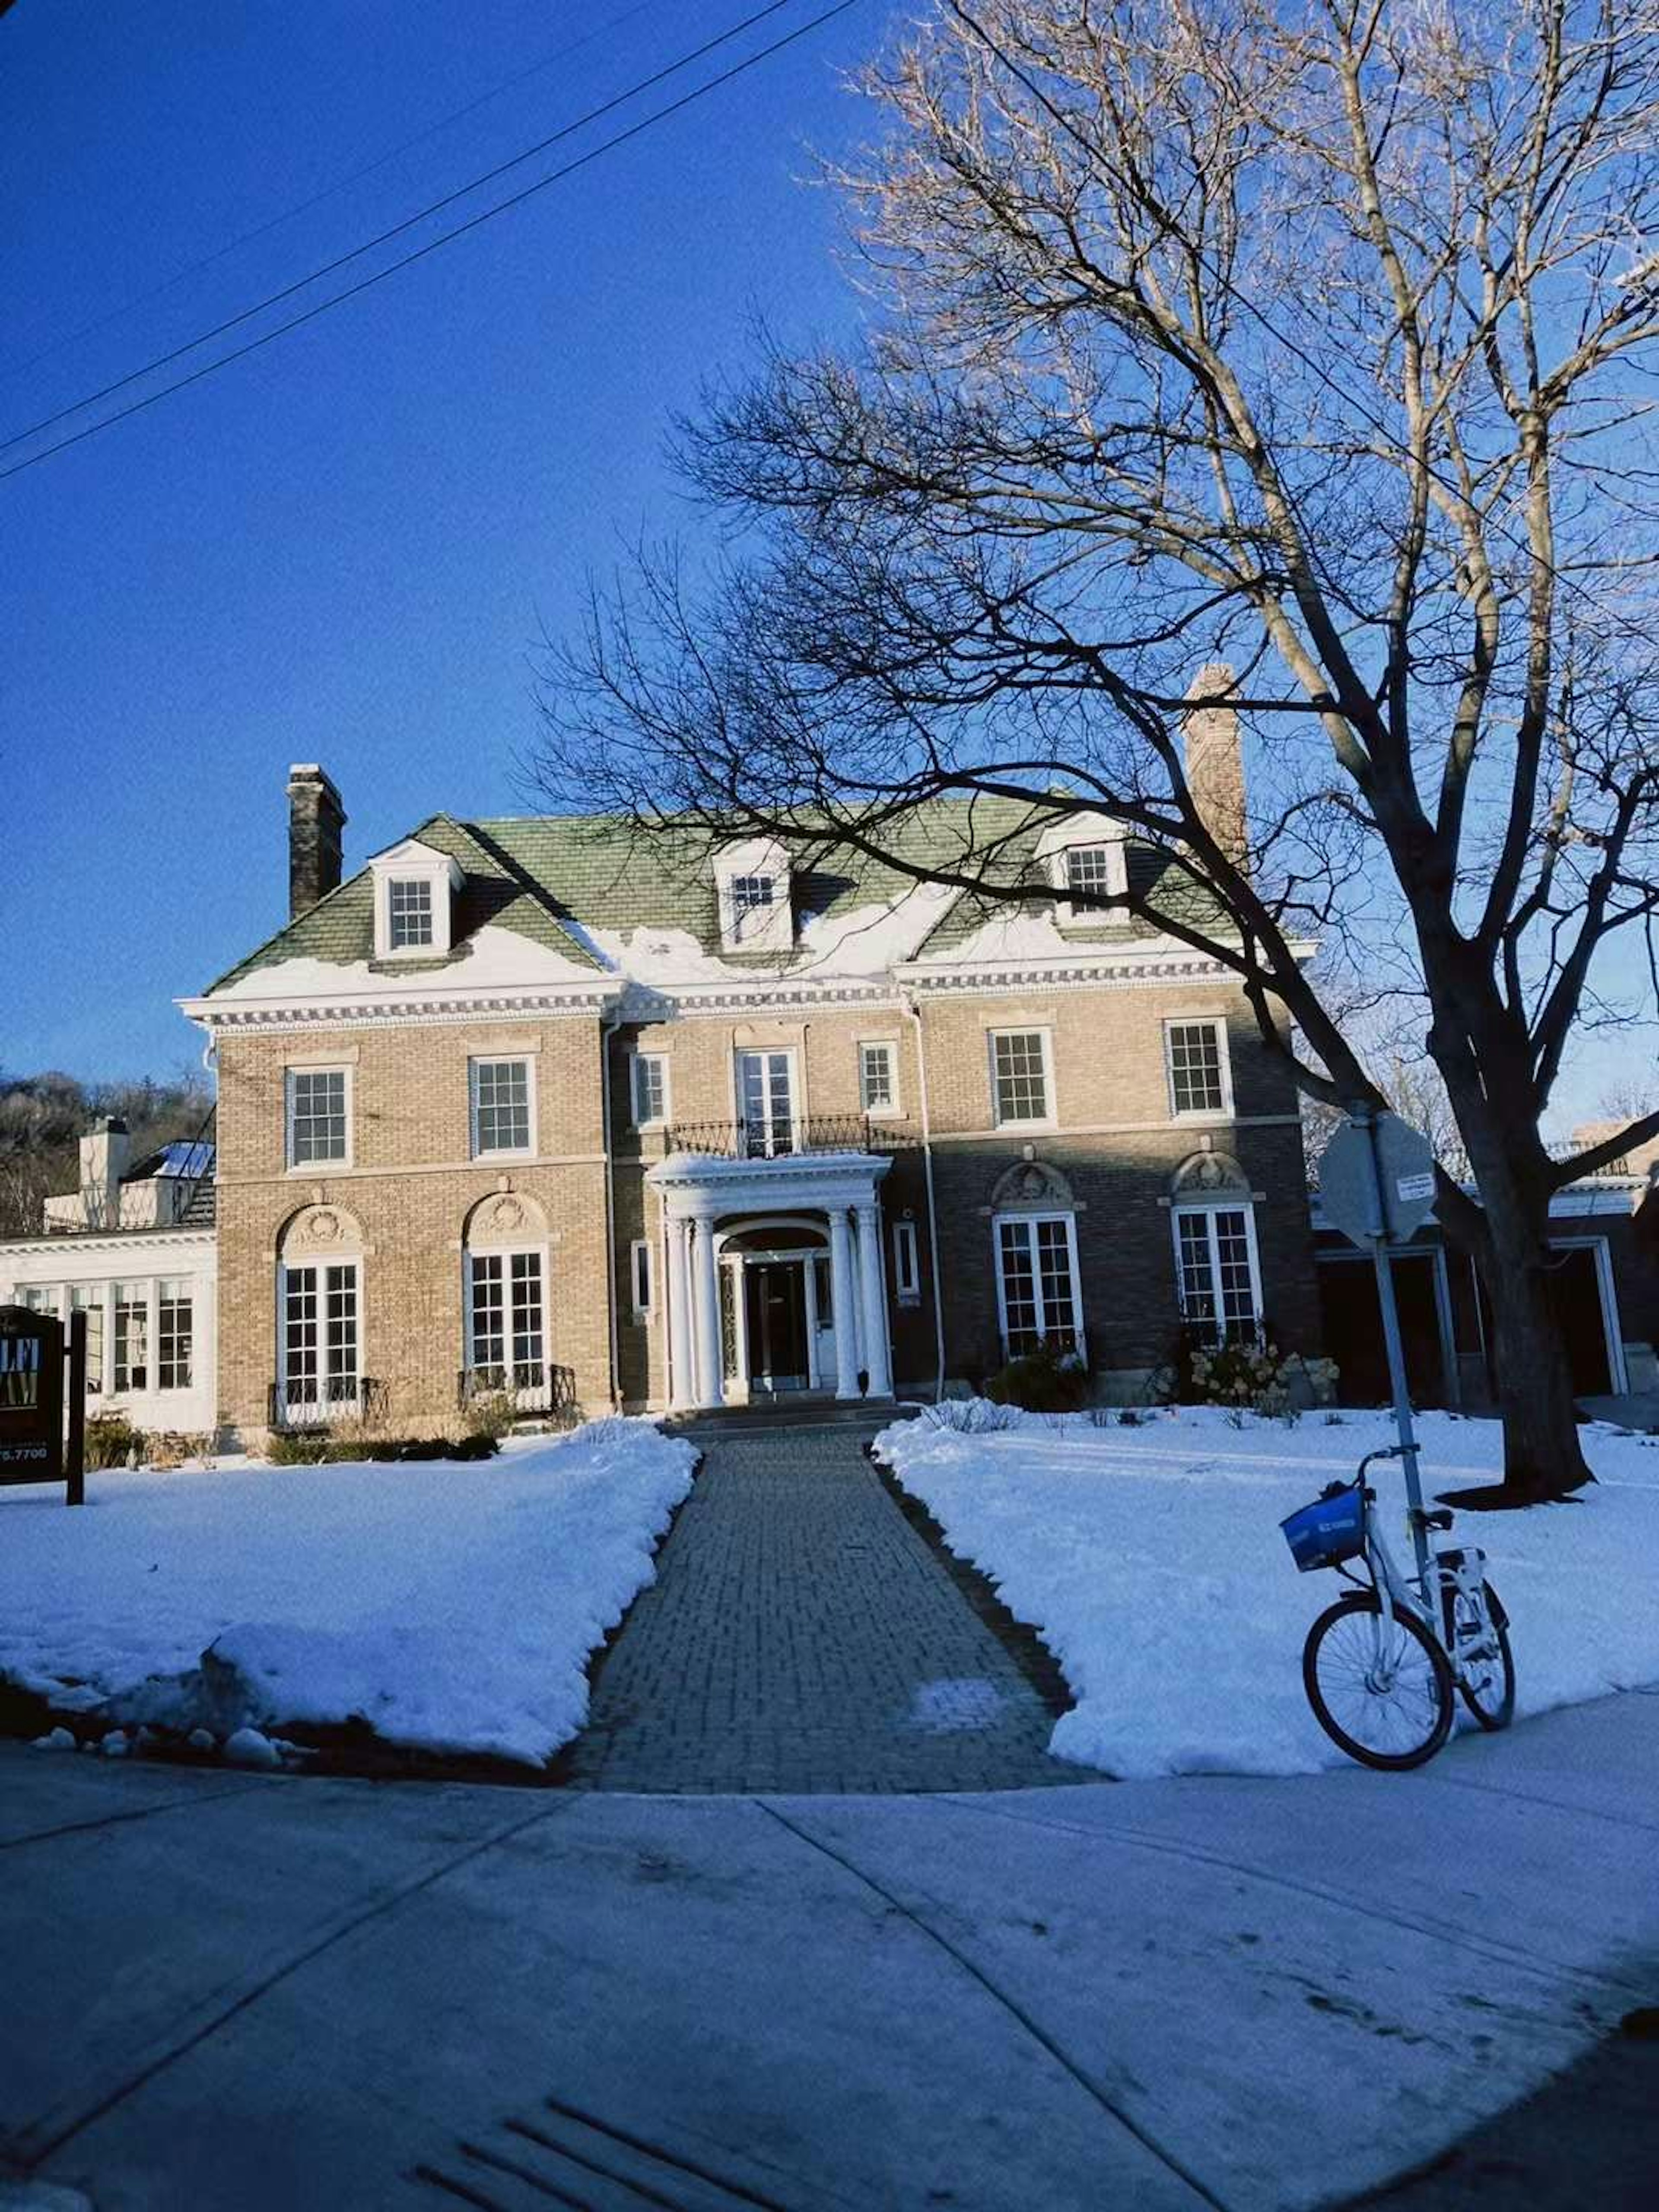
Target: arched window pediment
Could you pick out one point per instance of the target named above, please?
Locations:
(1032, 1187)
(1208, 1175)
(317, 1230)
(506, 1217)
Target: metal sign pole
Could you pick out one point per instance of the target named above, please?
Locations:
(1402, 1405)
(75, 1449)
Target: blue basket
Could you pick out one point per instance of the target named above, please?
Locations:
(1330, 1530)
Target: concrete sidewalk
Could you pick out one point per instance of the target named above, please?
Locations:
(219, 1991)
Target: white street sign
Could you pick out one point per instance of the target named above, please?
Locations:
(1405, 1171)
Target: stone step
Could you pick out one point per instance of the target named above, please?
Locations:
(786, 1413)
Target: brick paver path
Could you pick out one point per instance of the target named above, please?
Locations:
(802, 1635)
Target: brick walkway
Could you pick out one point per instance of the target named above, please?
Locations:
(801, 1636)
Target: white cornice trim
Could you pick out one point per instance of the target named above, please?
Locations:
(1118, 968)
(409, 1009)
(656, 1002)
(195, 1239)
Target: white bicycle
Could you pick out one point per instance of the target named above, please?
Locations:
(1381, 1665)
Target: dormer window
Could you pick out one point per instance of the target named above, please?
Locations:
(415, 889)
(1089, 871)
(752, 880)
(1084, 857)
(409, 913)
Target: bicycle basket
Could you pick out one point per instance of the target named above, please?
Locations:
(1330, 1530)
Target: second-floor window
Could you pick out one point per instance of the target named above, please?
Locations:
(766, 1089)
(1021, 1089)
(878, 1077)
(1196, 1056)
(501, 1099)
(318, 1122)
(408, 912)
(650, 1089)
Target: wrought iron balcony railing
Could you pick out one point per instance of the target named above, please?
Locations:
(535, 1386)
(311, 1401)
(778, 1140)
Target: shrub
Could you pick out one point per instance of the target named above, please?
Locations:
(111, 1441)
(297, 1447)
(1045, 1381)
(171, 1448)
(322, 1447)
(490, 1414)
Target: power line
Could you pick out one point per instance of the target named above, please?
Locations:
(398, 229)
(303, 207)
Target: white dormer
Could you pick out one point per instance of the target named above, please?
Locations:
(415, 889)
(1086, 853)
(752, 880)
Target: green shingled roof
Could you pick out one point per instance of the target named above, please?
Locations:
(551, 878)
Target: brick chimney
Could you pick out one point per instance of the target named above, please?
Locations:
(315, 821)
(1215, 764)
(105, 1151)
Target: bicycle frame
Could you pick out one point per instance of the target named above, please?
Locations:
(1460, 1571)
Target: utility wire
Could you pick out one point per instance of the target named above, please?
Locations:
(398, 229)
(1308, 361)
(341, 184)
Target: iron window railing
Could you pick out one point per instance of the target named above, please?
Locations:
(307, 1401)
(763, 1140)
(535, 1386)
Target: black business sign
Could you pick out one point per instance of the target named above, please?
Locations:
(35, 1446)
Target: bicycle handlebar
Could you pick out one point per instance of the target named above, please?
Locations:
(1383, 1452)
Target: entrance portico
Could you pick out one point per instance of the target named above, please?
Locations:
(775, 1276)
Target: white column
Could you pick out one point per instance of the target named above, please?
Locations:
(682, 1388)
(809, 1283)
(706, 1305)
(740, 1319)
(878, 1354)
(844, 1294)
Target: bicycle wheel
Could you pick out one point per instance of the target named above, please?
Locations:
(1486, 1666)
(1380, 1690)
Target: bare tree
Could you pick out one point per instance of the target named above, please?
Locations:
(1299, 338)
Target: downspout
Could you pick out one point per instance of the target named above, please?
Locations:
(608, 1028)
(913, 1011)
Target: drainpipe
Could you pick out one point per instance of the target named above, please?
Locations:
(608, 1028)
(912, 1010)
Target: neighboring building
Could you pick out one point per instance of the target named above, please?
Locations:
(547, 1105)
(134, 1248)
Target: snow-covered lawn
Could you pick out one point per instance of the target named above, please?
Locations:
(1151, 1560)
(451, 1605)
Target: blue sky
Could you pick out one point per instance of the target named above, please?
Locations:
(344, 547)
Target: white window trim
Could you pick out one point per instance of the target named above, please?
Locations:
(797, 1102)
(642, 1246)
(659, 1121)
(322, 1262)
(1222, 1202)
(191, 1300)
(410, 863)
(907, 1264)
(319, 1068)
(1117, 881)
(1051, 1119)
(1217, 1023)
(527, 1061)
(507, 1253)
(1056, 1214)
(894, 1107)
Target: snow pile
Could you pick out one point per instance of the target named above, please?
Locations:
(451, 1607)
(1149, 1560)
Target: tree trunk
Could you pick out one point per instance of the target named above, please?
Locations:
(1542, 1456)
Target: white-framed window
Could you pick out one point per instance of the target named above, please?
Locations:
(319, 1340)
(174, 1334)
(408, 913)
(1216, 1271)
(38, 1297)
(1195, 1060)
(879, 1091)
(907, 1264)
(1039, 1295)
(638, 1276)
(751, 893)
(88, 1299)
(1093, 871)
(507, 1343)
(503, 1107)
(766, 1102)
(752, 883)
(648, 1088)
(319, 1115)
(1022, 1079)
(130, 1301)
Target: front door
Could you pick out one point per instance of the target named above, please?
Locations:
(776, 1314)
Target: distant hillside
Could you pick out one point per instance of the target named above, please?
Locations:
(42, 1118)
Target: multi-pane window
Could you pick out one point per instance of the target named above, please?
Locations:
(750, 893)
(1216, 1254)
(131, 1304)
(878, 1078)
(319, 1340)
(1196, 1055)
(1036, 1276)
(1019, 1075)
(38, 1297)
(85, 1298)
(650, 1089)
(507, 1348)
(501, 1106)
(766, 1102)
(318, 1126)
(1088, 872)
(408, 912)
(173, 1335)
(907, 1263)
(639, 1272)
